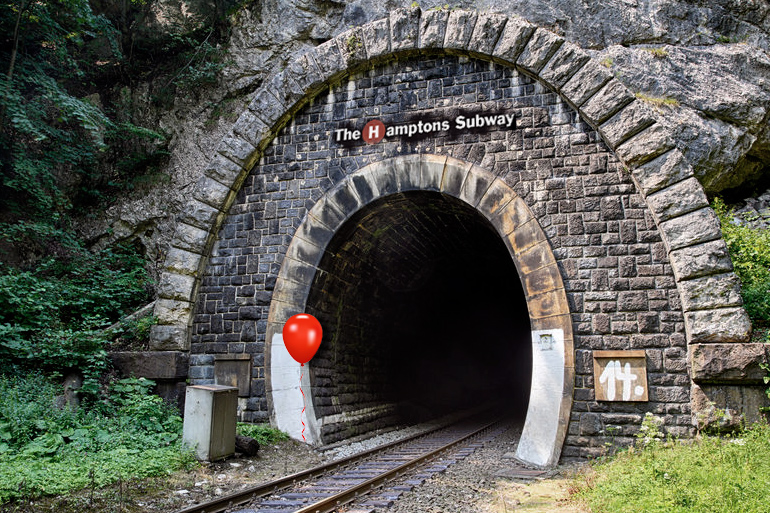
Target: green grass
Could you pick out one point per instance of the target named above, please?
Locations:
(710, 474)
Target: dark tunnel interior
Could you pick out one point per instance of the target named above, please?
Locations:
(423, 310)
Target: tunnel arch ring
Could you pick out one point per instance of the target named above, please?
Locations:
(552, 384)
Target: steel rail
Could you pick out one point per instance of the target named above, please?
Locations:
(335, 501)
(261, 490)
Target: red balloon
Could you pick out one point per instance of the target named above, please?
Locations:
(302, 335)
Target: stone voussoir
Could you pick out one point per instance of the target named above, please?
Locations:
(169, 338)
(709, 292)
(540, 48)
(404, 29)
(212, 193)
(266, 106)
(664, 170)
(476, 185)
(377, 38)
(351, 46)
(459, 29)
(190, 238)
(606, 102)
(177, 286)
(700, 260)
(632, 119)
(172, 311)
(224, 170)
(677, 199)
(239, 150)
(433, 28)
(690, 229)
(720, 325)
(645, 146)
(585, 83)
(728, 363)
(304, 71)
(183, 261)
(329, 59)
(252, 129)
(486, 33)
(512, 41)
(567, 60)
(199, 214)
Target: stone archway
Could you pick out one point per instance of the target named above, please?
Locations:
(552, 365)
(690, 230)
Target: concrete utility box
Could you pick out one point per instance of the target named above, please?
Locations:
(209, 420)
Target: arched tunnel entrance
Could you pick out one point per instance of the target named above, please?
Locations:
(423, 314)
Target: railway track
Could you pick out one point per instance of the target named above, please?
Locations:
(365, 479)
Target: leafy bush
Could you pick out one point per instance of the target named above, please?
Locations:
(49, 450)
(711, 474)
(750, 251)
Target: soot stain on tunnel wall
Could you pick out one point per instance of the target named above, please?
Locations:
(423, 315)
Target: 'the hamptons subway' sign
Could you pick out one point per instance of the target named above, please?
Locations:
(375, 130)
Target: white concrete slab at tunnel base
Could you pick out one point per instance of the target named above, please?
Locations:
(538, 439)
(288, 402)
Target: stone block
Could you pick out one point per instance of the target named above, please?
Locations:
(549, 304)
(182, 261)
(567, 60)
(224, 170)
(585, 83)
(404, 29)
(315, 233)
(631, 120)
(632, 301)
(433, 28)
(151, 364)
(459, 29)
(540, 47)
(327, 214)
(475, 186)
(211, 192)
(701, 260)
(710, 292)
(717, 326)
(728, 363)
(605, 103)
(486, 33)
(498, 195)
(455, 172)
(662, 171)
(408, 172)
(169, 338)
(304, 72)
(545, 279)
(266, 106)
(351, 46)
(377, 38)
(536, 257)
(329, 60)
(198, 214)
(190, 238)
(432, 170)
(526, 235)
(677, 199)
(172, 311)
(693, 228)
(288, 92)
(513, 39)
(176, 286)
(252, 129)
(302, 249)
(645, 146)
(513, 215)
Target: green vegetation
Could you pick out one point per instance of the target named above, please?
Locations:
(710, 474)
(262, 433)
(46, 450)
(658, 102)
(660, 53)
(750, 251)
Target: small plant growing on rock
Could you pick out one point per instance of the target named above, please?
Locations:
(659, 53)
(649, 434)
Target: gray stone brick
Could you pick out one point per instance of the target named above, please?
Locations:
(433, 25)
(585, 83)
(514, 38)
(540, 47)
(606, 102)
(377, 38)
(645, 146)
(631, 120)
(710, 292)
(459, 29)
(704, 259)
(404, 29)
(211, 192)
(693, 228)
(678, 199)
(567, 60)
(486, 33)
(718, 326)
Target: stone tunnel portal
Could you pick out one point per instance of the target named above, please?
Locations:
(423, 315)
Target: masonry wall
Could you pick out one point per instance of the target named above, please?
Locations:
(619, 282)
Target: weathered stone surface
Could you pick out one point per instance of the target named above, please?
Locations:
(486, 33)
(169, 338)
(710, 418)
(266, 106)
(199, 214)
(607, 101)
(151, 364)
(678, 199)
(459, 29)
(211, 192)
(173, 312)
(540, 47)
(224, 170)
(190, 237)
(404, 29)
(182, 261)
(718, 325)
(329, 60)
(251, 128)
(662, 171)
(176, 286)
(719, 407)
(728, 363)
(433, 28)
(304, 71)
(514, 38)
(711, 292)
(246, 445)
(645, 146)
(377, 38)
(567, 60)
(629, 121)
(701, 260)
(351, 46)
(693, 228)
(239, 151)
(585, 83)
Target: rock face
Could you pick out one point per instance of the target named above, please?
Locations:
(703, 64)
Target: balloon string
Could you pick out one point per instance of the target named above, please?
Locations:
(302, 373)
